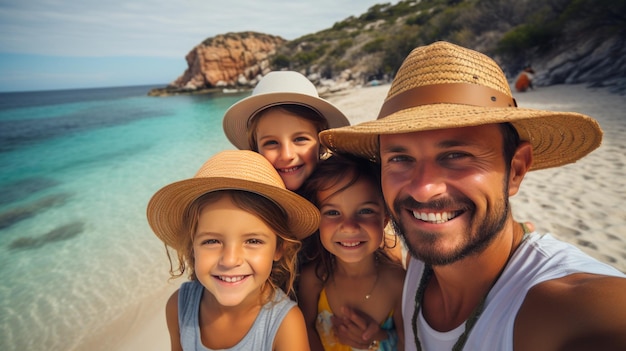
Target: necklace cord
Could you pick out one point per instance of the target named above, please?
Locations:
(469, 323)
(473, 318)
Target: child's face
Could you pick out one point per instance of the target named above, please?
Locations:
(234, 251)
(352, 220)
(290, 143)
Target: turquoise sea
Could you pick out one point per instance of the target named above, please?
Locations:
(77, 169)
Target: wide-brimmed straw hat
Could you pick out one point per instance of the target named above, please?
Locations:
(442, 86)
(234, 170)
(277, 88)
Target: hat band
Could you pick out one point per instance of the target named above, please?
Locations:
(452, 93)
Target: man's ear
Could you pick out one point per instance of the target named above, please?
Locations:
(520, 164)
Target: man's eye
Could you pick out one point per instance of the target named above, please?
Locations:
(454, 155)
(398, 158)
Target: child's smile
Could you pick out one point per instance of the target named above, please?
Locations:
(234, 251)
(352, 220)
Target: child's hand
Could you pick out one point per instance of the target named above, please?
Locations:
(356, 329)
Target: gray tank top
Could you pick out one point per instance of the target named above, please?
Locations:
(259, 337)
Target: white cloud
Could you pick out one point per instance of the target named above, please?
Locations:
(162, 28)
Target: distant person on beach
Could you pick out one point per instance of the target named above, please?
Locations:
(453, 147)
(281, 121)
(236, 230)
(353, 267)
(524, 80)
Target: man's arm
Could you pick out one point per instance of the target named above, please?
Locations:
(578, 312)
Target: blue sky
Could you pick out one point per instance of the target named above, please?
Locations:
(65, 44)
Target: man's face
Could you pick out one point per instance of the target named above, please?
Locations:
(447, 190)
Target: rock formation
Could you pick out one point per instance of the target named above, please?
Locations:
(595, 61)
(229, 60)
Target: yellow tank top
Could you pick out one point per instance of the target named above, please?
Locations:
(324, 327)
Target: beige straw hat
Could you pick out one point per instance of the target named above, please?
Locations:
(231, 169)
(443, 86)
(277, 88)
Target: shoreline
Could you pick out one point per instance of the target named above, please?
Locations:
(579, 203)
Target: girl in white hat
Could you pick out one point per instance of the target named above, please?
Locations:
(281, 120)
(236, 230)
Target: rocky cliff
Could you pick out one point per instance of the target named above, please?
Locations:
(595, 61)
(565, 41)
(225, 61)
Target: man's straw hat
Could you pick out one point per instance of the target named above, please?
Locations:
(443, 86)
(277, 88)
(228, 170)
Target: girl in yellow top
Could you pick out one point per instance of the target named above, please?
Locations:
(353, 272)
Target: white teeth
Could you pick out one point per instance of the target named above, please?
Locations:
(289, 170)
(352, 244)
(438, 218)
(231, 279)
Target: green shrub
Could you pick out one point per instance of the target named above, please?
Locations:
(340, 49)
(281, 61)
(526, 37)
(375, 45)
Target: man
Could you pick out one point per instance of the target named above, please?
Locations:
(453, 147)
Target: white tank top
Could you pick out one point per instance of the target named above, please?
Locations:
(538, 258)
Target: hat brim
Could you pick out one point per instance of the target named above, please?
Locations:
(236, 118)
(167, 208)
(557, 138)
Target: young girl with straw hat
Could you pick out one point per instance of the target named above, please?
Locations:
(236, 230)
(281, 120)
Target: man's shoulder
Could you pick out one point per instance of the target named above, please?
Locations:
(574, 307)
(579, 286)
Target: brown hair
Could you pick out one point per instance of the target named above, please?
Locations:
(330, 172)
(301, 111)
(283, 271)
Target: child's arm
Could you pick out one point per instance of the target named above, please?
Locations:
(171, 316)
(292, 334)
(309, 291)
(357, 329)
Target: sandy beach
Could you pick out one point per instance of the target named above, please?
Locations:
(579, 203)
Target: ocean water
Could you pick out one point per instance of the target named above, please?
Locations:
(77, 169)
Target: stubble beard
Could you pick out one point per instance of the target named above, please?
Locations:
(423, 245)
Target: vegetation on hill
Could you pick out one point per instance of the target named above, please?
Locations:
(515, 32)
